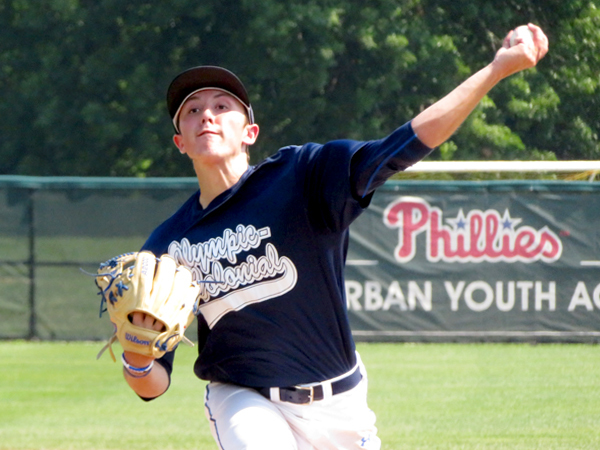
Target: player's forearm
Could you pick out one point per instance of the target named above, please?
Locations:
(438, 122)
(150, 385)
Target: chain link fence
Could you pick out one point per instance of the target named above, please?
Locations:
(54, 229)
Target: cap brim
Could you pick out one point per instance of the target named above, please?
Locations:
(204, 77)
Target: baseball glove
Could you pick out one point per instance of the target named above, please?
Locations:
(140, 282)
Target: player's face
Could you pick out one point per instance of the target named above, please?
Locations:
(213, 127)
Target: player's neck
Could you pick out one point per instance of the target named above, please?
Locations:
(216, 179)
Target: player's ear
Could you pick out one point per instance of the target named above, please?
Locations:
(250, 134)
(178, 140)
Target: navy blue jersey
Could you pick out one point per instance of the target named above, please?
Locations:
(275, 245)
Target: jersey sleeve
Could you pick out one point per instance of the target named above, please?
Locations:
(376, 161)
(341, 175)
(325, 171)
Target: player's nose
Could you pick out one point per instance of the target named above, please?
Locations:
(207, 115)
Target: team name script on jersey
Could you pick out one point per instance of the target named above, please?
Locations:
(254, 280)
(478, 236)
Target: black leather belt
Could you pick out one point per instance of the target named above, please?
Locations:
(307, 395)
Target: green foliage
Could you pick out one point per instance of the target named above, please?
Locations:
(84, 81)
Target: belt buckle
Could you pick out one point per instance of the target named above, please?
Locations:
(311, 393)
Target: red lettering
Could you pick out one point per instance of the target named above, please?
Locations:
(492, 226)
(437, 233)
(480, 236)
(410, 217)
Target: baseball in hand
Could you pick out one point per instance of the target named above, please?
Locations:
(523, 32)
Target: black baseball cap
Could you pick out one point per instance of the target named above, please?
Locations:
(199, 78)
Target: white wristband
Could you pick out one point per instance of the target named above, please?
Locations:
(136, 372)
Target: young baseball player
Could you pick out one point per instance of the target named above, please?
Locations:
(274, 338)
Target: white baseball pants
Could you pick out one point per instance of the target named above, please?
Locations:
(242, 419)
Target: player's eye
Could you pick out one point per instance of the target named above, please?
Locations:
(222, 107)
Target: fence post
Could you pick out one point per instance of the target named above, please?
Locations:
(31, 263)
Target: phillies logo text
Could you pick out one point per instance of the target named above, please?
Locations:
(475, 237)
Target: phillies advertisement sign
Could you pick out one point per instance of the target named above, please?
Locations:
(478, 236)
(473, 261)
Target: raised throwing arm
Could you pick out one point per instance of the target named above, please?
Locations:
(438, 122)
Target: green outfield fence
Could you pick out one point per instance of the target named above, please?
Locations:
(54, 230)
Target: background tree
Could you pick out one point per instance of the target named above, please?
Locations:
(83, 82)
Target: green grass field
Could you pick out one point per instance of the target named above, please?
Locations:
(430, 396)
